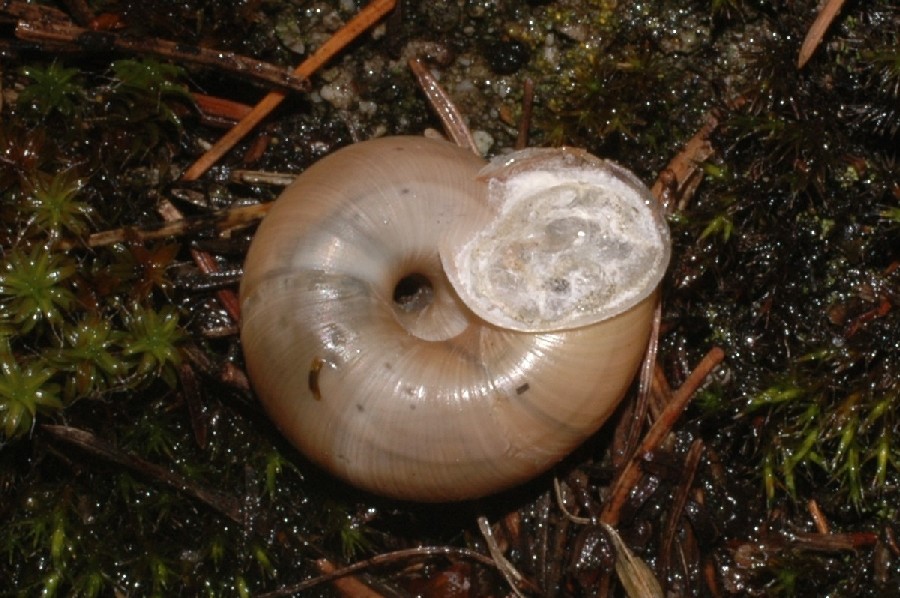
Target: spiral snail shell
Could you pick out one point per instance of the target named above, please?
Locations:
(427, 327)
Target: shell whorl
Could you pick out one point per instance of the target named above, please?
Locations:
(415, 396)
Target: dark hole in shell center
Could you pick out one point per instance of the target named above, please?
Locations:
(414, 292)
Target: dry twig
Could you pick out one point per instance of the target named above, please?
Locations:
(226, 505)
(676, 509)
(380, 560)
(262, 177)
(11, 11)
(638, 416)
(631, 473)
(510, 573)
(219, 111)
(818, 517)
(525, 119)
(80, 11)
(454, 124)
(63, 34)
(817, 30)
(222, 221)
(635, 576)
(361, 22)
(367, 17)
(226, 297)
(347, 586)
(679, 179)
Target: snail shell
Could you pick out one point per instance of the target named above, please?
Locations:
(430, 328)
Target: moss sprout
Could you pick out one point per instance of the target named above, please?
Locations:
(34, 289)
(51, 205)
(25, 391)
(144, 92)
(79, 324)
(146, 266)
(151, 340)
(52, 89)
(90, 354)
(354, 537)
(22, 152)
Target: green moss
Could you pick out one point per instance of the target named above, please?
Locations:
(52, 89)
(91, 356)
(33, 288)
(145, 85)
(151, 341)
(25, 391)
(51, 206)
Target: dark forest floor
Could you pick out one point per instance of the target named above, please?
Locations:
(134, 458)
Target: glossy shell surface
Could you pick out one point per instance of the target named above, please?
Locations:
(422, 400)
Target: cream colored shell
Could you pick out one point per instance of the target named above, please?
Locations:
(430, 403)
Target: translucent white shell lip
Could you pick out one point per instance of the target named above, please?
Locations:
(574, 240)
(434, 404)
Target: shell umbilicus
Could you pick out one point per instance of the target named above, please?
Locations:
(430, 328)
